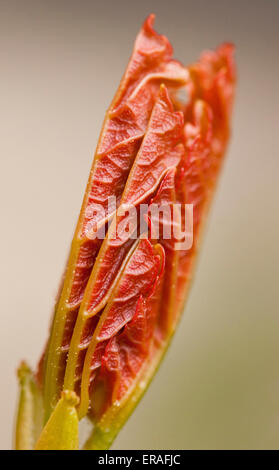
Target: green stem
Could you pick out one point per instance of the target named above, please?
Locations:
(29, 420)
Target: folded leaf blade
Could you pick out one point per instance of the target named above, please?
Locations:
(161, 150)
(123, 294)
(123, 130)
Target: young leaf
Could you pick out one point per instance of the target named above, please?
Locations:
(205, 143)
(161, 150)
(123, 130)
(121, 299)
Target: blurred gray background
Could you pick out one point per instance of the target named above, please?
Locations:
(61, 62)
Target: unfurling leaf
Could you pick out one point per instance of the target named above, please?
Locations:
(126, 281)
